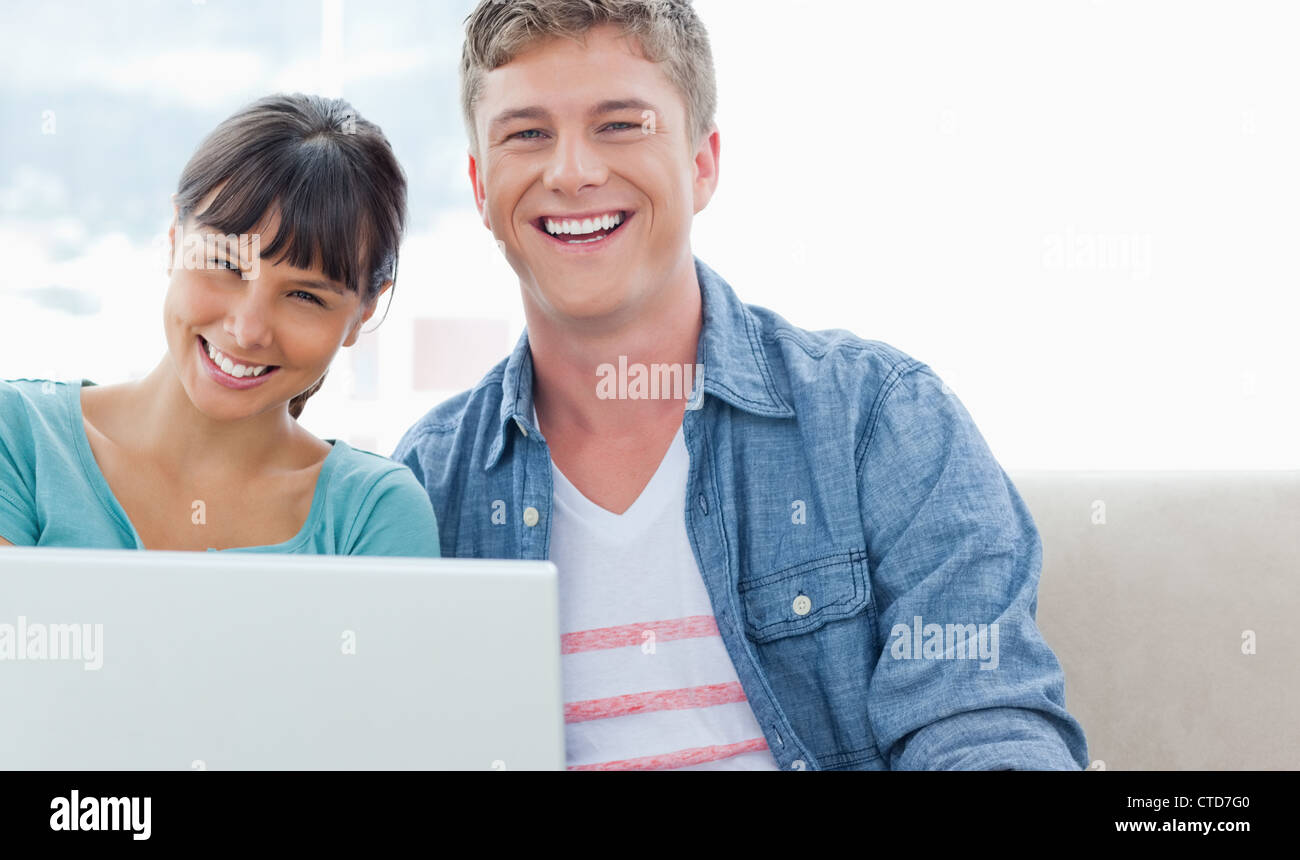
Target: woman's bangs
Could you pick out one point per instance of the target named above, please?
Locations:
(320, 226)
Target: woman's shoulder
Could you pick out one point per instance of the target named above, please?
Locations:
(37, 440)
(36, 391)
(356, 467)
(365, 480)
(387, 511)
(30, 406)
(24, 389)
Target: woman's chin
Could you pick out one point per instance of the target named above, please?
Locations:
(224, 404)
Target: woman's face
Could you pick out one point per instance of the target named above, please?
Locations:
(246, 335)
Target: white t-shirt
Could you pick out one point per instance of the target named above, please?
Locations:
(648, 683)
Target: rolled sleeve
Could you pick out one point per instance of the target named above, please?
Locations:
(989, 739)
(951, 542)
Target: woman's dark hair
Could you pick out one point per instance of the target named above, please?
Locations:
(331, 175)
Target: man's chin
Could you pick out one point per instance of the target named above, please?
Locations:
(581, 300)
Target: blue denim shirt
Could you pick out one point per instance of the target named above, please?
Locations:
(840, 503)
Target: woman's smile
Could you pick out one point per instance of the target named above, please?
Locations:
(228, 373)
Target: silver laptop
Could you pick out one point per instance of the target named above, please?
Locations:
(218, 661)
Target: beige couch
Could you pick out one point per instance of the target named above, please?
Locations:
(1147, 601)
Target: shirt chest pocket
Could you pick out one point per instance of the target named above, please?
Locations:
(806, 596)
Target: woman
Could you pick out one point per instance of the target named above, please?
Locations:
(286, 231)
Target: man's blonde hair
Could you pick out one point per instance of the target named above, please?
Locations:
(668, 32)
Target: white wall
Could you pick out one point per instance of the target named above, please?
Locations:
(1081, 214)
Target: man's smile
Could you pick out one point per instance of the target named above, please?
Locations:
(588, 229)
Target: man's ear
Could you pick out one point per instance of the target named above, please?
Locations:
(367, 311)
(480, 193)
(706, 168)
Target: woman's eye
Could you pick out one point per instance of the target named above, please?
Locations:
(308, 297)
(215, 263)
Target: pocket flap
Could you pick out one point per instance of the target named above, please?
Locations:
(804, 597)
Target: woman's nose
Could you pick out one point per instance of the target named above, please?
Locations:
(248, 322)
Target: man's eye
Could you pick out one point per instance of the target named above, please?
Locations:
(520, 134)
(309, 297)
(626, 125)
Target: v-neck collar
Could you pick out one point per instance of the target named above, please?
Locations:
(641, 511)
(658, 493)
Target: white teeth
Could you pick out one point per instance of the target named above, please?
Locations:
(239, 371)
(585, 226)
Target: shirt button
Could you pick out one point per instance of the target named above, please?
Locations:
(522, 428)
(802, 605)
(531, 517)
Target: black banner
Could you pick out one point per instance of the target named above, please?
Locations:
(207, 809)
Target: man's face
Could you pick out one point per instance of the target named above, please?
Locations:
(588, 175)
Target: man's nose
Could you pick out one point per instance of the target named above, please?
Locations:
(575, 163)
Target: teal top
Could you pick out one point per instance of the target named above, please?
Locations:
(52, 492)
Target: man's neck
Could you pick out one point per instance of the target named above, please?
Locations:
(566, 360)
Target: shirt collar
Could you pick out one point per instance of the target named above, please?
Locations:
(734, 368)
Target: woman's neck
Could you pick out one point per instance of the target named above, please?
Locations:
(164, 425)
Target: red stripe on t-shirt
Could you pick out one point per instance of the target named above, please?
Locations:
(680, 758)
(600, 638)
(655, 700)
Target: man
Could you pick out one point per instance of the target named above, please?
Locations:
(777, 548)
